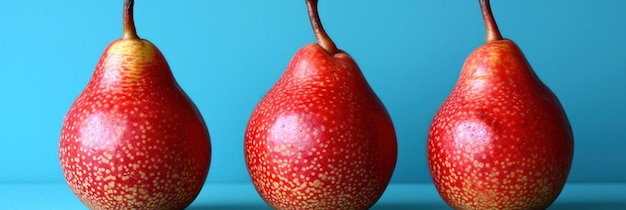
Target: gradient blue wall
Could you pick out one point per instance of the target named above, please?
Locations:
(226, 55)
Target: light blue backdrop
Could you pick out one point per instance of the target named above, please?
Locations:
(227, 53)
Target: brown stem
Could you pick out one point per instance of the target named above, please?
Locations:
(493, 33)
(320, 34)
(129, 23)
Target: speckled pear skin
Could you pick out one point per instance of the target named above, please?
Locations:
(320, 138)
(501, 140)
(133, 139)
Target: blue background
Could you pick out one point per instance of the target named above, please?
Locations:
(227, 54)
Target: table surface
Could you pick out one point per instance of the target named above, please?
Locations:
(243, 196)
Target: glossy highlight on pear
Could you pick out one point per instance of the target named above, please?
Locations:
(320, 138)
(133, 139)
(501, 140)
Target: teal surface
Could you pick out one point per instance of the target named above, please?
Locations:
(241, 196)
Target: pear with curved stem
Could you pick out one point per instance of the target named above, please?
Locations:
(320, 138)
(133, 139)
(501, 140)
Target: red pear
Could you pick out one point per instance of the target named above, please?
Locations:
(501, 140)
(133, 139)
(320, 138)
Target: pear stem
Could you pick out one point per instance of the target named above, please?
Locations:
(493, 33)
(129, 31)
(320, 34)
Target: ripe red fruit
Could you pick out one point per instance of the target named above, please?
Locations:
(501, 140)
(320, 138)
(133, 139)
